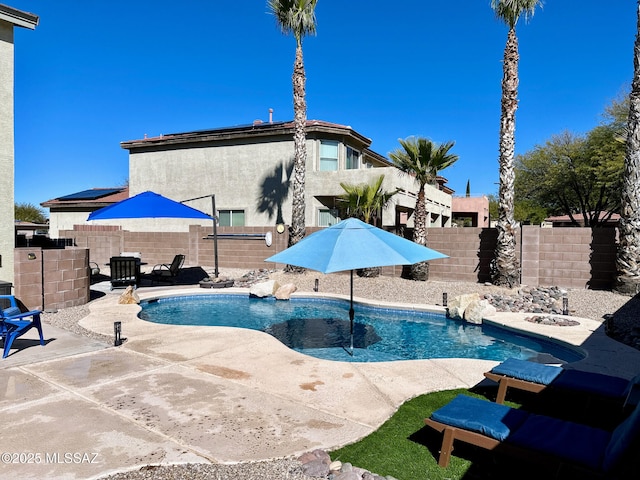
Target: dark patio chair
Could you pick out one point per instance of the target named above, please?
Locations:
(167, 272)
(16, 320)
(538, 438)
(125, 271)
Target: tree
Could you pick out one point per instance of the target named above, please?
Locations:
(422, 159)
(366, 202)
(628, 255)
(505, 268)
(575, 176)
(297, 17)
(27, 212)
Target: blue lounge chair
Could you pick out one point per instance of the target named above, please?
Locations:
(536, 377)
(16, 321)
(561, 444)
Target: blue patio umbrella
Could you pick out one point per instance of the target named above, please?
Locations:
(153, 205)
(352, 244)
(147, 205)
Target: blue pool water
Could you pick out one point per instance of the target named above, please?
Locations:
(320, 328)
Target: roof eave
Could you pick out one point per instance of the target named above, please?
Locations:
(18, 18)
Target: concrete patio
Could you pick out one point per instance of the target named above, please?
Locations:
(77, 408)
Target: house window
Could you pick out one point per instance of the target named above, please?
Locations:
(327, 217)
(328, 155)
(353, 159)
(231, 218)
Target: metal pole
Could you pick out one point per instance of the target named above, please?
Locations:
(215, 227)
(351, 313)
(215, 234)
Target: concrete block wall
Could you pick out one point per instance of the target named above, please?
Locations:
(470, 252)
(196, 245)
(576, 257)
(564, 256)
(567, 257)
(52, 278)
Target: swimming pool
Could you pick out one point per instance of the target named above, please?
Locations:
(320, 328)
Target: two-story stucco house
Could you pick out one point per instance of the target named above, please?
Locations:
(248, 169)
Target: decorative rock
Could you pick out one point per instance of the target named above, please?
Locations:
(347, 476)
(285, 291)
(477, 310)
(129, 296)
(216, 282)
(457, 305)
(556, 321)
(252, 277)
(316, 463)
(263, 289)
(316, 468)
(335, 466)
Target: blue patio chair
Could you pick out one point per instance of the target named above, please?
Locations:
(15, 321)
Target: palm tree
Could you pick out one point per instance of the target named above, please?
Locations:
(628, 260)
(422, 159)
(297, 17)
(505, 268)
(366, 202)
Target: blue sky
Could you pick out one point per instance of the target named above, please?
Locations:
(96, 73)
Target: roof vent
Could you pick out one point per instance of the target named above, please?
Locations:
(257, 122)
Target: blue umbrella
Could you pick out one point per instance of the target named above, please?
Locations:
(147, 205)
(352, 244)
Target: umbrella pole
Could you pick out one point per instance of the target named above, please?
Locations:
(351, 313)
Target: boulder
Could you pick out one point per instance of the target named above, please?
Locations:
(129, 296)
(457, 305)
(477, 310)
(264, 289)
(285, 291)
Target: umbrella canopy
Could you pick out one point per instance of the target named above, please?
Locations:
(147, 205)
(352, 244)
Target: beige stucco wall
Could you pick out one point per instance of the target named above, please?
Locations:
(7, 233)
(239, 174)
(59, 221)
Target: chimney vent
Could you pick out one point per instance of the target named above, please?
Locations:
(271, 115)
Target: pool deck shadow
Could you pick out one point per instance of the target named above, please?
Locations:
(177, 394)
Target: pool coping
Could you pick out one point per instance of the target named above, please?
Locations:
(588, 337)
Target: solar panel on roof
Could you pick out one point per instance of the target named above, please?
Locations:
(92, 194)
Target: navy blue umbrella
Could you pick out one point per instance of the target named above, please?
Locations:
(147, 205)
(352, 244)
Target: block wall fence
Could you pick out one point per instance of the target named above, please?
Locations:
(561, 256)
(52, 278)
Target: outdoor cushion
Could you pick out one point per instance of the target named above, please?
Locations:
(595, 383)
(568, 440)
(623, 436)
(491, 419)
(526, 370)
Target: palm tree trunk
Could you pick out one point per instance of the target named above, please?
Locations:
(505, 268)
(628, 258)
(420, 271)
(297, 230)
